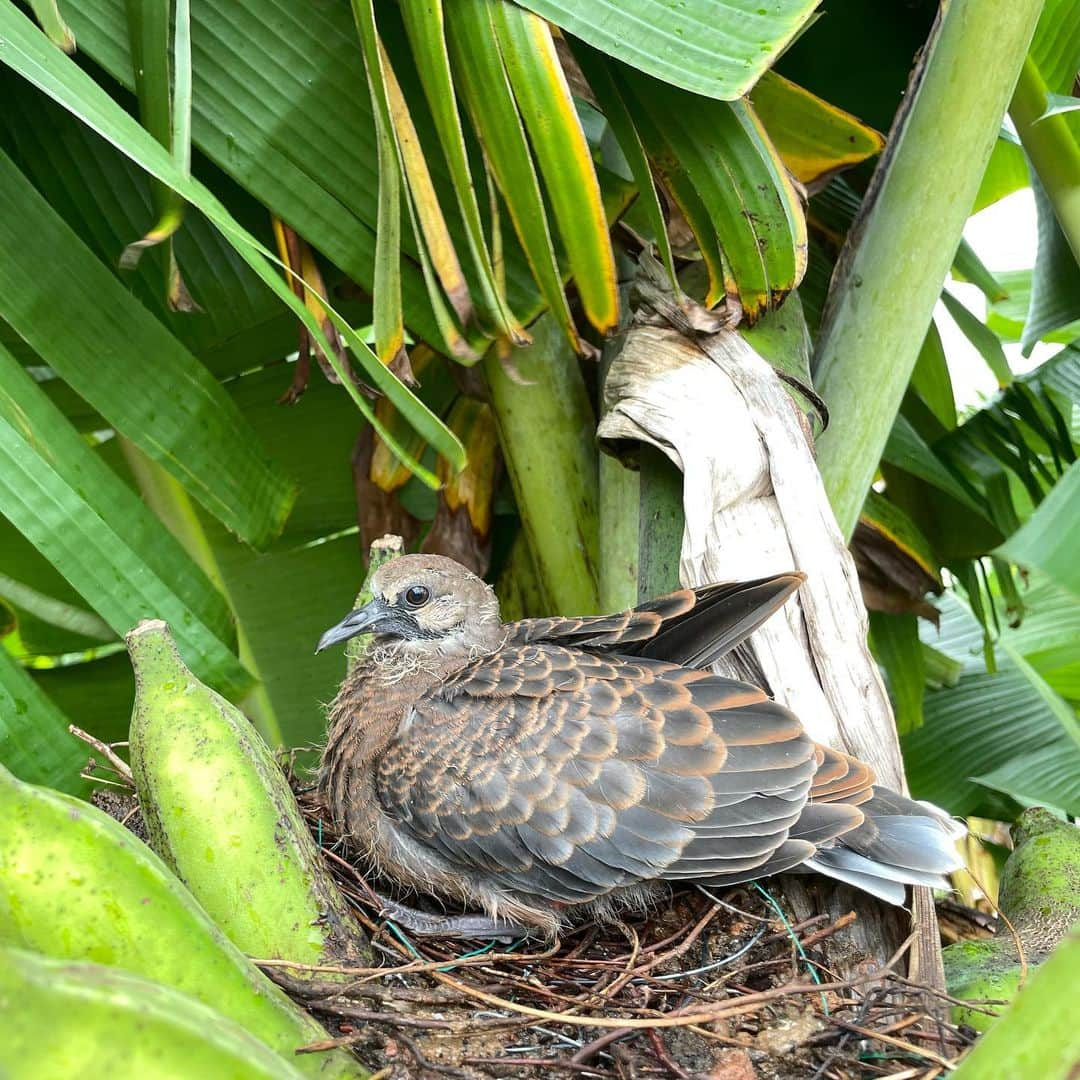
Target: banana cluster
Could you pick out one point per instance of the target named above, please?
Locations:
(123, 961)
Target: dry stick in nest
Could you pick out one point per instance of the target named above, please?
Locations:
(690, 1017)
(120, 766)
(740, 1006)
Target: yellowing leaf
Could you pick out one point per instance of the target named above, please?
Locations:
(815, 139)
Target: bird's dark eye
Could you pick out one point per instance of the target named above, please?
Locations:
(417, 595)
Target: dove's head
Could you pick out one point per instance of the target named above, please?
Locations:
(426, 604)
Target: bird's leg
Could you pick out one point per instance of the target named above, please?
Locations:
(458, 926)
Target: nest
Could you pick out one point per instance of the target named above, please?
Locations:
(713, 985)
(710, 986)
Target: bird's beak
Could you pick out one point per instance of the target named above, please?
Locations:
(363, 620)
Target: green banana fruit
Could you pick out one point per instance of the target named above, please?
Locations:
(1040, 894)
(219, 811)
(77, 885)
(1038, 1037)
(63, 1020)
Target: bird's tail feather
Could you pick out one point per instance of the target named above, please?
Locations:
(901, 842)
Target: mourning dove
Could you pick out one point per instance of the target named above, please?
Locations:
(535, 771)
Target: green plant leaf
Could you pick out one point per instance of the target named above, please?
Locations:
(596, 70)
(486, 92)
(1013, 451)
(66, 617)
(815, 139)
(161, 52)
(895, 641)
(931, 379)
(101, 537)
(1049, 636)
(105, 199)
(275, 104)
(559, 146)
(1006, 172)
(28, 53)
(714, 47)
(1056, 104)
(1007, 317)
(58, 32)
(1055, 281)
(1047, 541)
(1047, 775)
(988, 720)
(51, 617)
(743, 186)
(34, 740)
(100, 341)
(426, 29)
(967, 266)
(907, 450)
(1051, 138)
(388, 316)
(981, 336)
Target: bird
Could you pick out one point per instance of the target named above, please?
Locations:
(528, 774)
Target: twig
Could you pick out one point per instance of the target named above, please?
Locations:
(590, 1050)
(747, 1003)
(117, 762)
(371, 1016)
(537, 1063)
(900, 1044)
(665, 1058)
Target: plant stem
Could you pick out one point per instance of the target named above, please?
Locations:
(660, 524)
(619, 540)
(1052, 149)
(547, 432)
(898, 252)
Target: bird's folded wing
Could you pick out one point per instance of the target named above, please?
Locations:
(560, 773)
(692, 628)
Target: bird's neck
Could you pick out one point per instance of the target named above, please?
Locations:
(364, 718)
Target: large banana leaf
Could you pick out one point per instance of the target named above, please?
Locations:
(714, 47)
(100, 536)
(1047, 541)
(283, 599)
(29, 53)
(280, 104)
(1048, 635)
(1006, 731)
(125, 364)
(106, 201)
(34, 741)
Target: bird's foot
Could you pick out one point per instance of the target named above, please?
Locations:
(457, 926)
